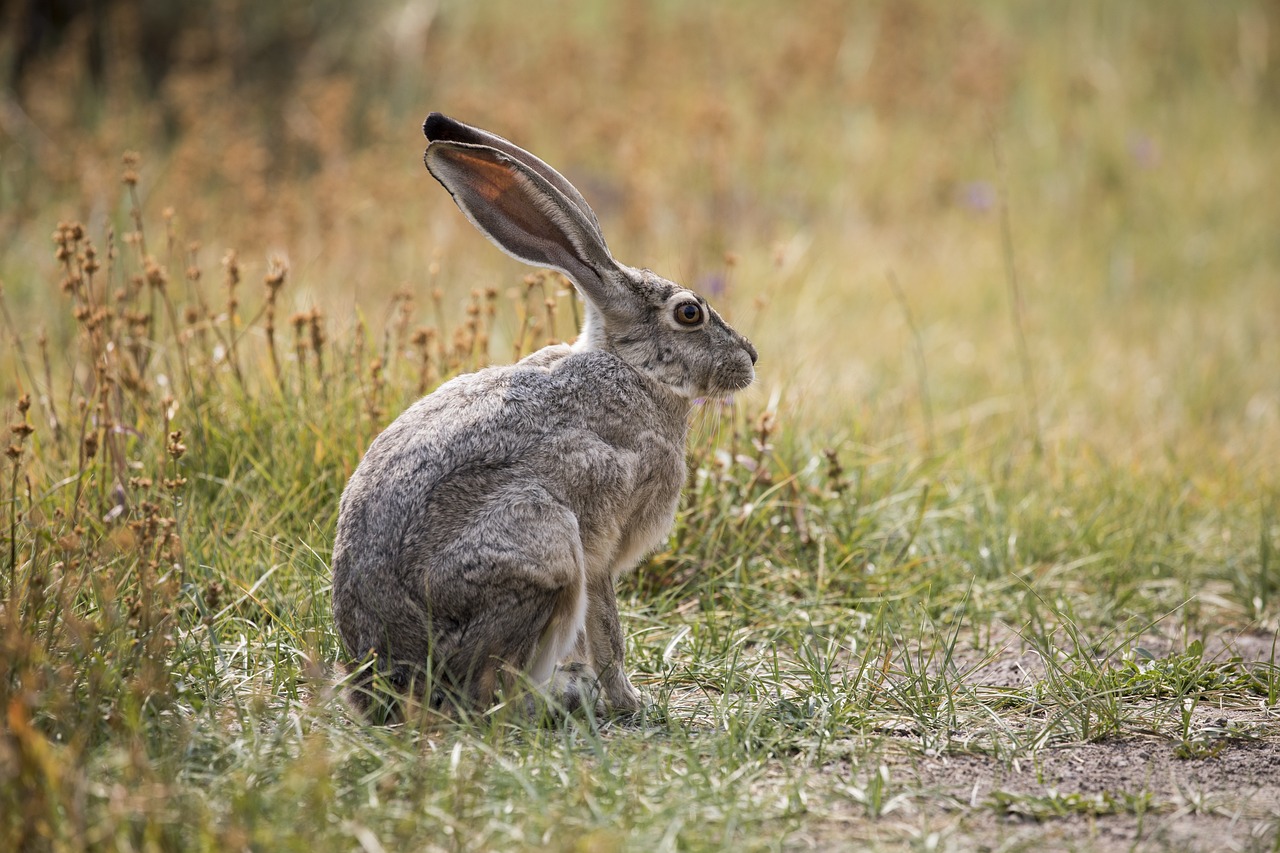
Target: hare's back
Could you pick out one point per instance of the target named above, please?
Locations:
(585, 430)
(506, 415)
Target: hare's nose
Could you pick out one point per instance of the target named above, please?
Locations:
(751, 350)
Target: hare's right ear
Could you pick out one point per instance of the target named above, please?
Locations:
(440, 128)
(526, 216)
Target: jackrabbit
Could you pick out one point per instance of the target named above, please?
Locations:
(480, 538)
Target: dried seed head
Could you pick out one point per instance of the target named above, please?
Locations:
(317, 331)
(277, 271)
(232, 262)
(765, 425)
(176, 447)
(24, 402)
(213, 594)
(155, 274)
(835, 471)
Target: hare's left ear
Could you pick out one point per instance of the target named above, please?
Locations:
(441, 128)
(529, 218)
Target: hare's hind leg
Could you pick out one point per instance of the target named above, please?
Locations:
(513, 599)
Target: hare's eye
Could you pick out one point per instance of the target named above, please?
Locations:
(688, 313)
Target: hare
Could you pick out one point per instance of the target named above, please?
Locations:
(480, 538)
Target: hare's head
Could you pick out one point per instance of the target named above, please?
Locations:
(533, 214)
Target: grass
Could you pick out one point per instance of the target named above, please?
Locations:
(1005, 494)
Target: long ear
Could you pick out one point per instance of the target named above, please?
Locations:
(441, 128)
(525, 216)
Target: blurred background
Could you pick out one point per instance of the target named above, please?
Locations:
(939, 222)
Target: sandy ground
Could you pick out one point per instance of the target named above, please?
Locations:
(1130, 792)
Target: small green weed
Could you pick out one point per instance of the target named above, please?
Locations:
(1053, 805)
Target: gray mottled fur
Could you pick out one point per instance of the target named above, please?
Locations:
(481, 536)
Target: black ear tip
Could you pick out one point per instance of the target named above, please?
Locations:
(436, 125)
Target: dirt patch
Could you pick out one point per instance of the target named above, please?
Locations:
(1121, 795)
(1249, 646)
(1008, 661)
(1010, 670)
(1130, 793)
(1175, 774)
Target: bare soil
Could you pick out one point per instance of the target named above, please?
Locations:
(1137, 792)
(1227, 801)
